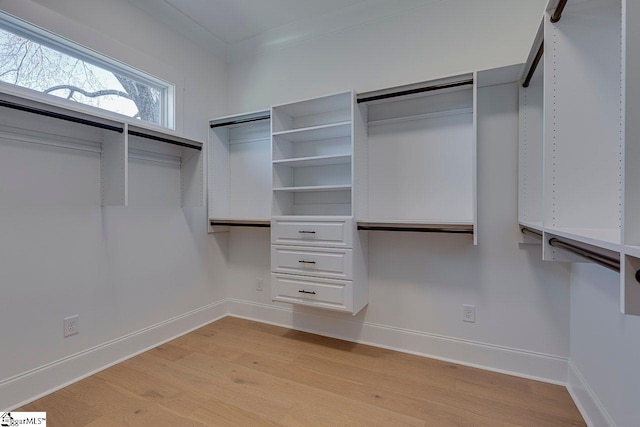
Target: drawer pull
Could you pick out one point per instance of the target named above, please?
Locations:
(307, 262)
(306, 232)
(307, 292)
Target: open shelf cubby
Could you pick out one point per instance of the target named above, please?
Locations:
(240, 170)
(420, 158)
(312, 153)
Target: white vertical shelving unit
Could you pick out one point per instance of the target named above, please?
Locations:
(240, 171)
(312, 143)
(68, 127)
(152, 145)
(630, 265)
(318, 258)
(583, 142)
(530, 164)
(419, 162)
(590, 148)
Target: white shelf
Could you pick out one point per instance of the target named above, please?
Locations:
(315, 161)
(314, 188)
(316, 133)
(604, 238)
(634, 251)
(533, 225)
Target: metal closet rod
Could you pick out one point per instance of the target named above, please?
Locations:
(53, 114)
(417, 90)
(534, 65)
(239, 224)
(166, 140)
(526, 230)
(603, 260)
(557, 14)
(414, 229)
(239, 122)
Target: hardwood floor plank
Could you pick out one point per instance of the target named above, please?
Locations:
(236, 372)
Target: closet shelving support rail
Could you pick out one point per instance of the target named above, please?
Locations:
(415, 229)
(165, 140)
(600, 259)
(239, 121)
(95, 124)
(557, 14)
(60, 116)
(417, 90)
(534, 65)
(215, 223)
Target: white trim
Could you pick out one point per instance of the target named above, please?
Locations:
(521, 363)
(36, 383)
(593, 411)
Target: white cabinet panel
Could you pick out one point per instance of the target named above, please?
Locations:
(332, 263)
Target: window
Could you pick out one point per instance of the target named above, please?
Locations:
(35, 59)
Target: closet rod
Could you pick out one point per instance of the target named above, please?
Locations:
(414, 229)
(534, 65)
(414, 91)
(60, 116)
(557, 14)
(603, 260)
(239, 122)
(526, 230)
(161, 139)
(239, 224)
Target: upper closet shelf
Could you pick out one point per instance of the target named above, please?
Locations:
(110, 135)
(316, 133)
(604, 238)
(313, 188)
(327, 160)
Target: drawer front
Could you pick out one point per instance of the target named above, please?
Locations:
(320, 262)
(330, 294)
(335, 234)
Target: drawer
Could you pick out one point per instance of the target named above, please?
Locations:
(330, 233)
(317, 262)
(330, 294)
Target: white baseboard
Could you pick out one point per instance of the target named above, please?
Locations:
(521, 363)
(31, 385)
(592, 410)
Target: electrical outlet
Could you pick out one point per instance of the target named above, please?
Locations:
(71, 325)
(259, 284)
(469, 313)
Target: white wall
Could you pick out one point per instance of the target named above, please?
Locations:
(419, 282)
(440, 39)
(605, 346)
(120, 269)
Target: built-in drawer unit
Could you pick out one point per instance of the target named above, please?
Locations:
(322, 293)
(317, 262)
(334, 233)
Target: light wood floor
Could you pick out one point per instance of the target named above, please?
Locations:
(239, 373)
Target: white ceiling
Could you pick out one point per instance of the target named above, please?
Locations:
(229, 27)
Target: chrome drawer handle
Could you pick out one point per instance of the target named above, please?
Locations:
(306, 232)
(307, 262)
(307, 292)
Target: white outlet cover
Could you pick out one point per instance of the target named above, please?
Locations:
(469, 313)
(71, 325)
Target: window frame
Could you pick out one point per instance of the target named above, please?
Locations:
(69, 47)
